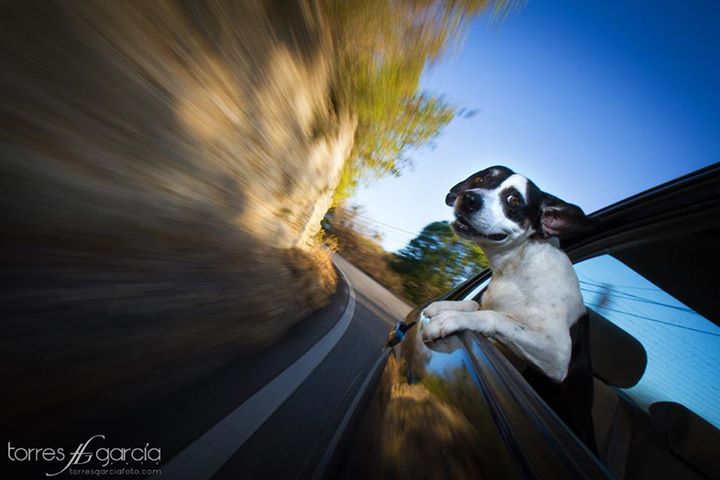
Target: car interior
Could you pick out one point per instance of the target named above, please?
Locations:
(666, 440)
(669, 440)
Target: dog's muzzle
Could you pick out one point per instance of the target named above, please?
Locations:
(462, 227)
(468, 202)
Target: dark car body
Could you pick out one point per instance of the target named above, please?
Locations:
(458, 407)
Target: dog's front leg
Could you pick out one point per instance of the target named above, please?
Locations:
(548, 350)
(436, 308)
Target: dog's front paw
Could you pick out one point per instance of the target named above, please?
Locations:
(442, 325)
(434, 309)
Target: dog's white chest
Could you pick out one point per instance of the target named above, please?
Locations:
(541, 292)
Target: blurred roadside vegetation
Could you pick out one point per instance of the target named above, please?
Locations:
(436, 261)
(381, 49)
(345, 232)
(432, 263)
(162, 165)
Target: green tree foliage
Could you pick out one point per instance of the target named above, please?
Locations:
(382, 47)
(435, 261)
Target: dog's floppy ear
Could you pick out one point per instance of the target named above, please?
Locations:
(559, 218)
(455, 191)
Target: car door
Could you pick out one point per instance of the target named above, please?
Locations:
(458, 408)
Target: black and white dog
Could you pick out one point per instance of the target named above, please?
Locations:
(533, 303)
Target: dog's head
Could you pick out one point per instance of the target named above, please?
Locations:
(498, 207)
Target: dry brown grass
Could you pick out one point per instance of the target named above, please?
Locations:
(315, 273)
(364, 252)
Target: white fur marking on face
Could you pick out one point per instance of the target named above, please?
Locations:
(518, 181)
(491, 218)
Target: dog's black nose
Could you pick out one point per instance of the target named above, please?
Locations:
(469, 202)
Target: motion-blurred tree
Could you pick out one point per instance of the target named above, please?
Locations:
(435, 261)
(381, 49)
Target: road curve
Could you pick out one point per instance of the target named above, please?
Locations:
(267, 414)
(283, 429)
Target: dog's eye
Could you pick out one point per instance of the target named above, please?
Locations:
(514, 200)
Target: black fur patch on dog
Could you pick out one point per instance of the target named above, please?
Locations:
(489, 179)
(519, 213)
(573, 398)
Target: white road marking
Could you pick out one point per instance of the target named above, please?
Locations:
(322, 466)
(203, 458)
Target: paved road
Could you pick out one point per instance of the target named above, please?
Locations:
(285, 416)
(265, 415)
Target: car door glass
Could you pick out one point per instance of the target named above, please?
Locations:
(683, 347)
(474, 294)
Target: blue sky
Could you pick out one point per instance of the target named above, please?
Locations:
(594, 101)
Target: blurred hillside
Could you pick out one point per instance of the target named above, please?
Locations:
(164, 169)
(160, 162)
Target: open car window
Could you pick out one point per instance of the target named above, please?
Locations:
(474, 294)
(683, 347)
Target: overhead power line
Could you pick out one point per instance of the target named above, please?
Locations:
(386, 225)
(652, 289)
(614, 293)
(655, 320)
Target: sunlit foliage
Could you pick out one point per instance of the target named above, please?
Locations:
(436, 261)
(382, 48)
